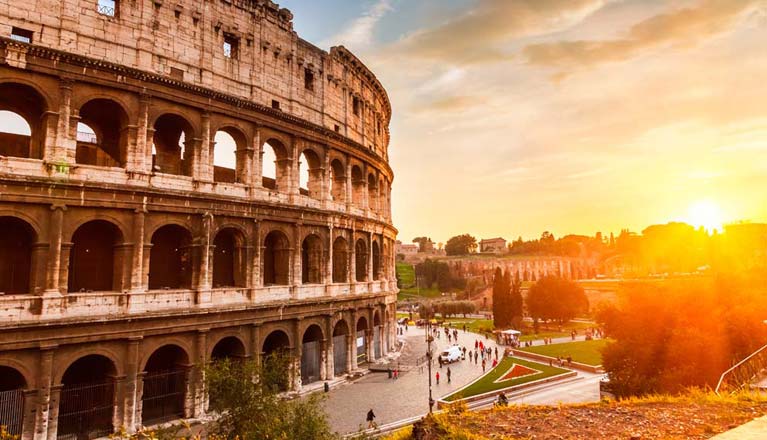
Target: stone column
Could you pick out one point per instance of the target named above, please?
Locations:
(329, 259)
(255, 343)
(349, 185)
(295, 382)
(297, 251)
(37, 282)
(258, 154)
(139, 160)
(56, 143)
(258, 250)
(328, 349)
(326, 196)
(28, 423)
(131, 402)
(200, 392)
(203, 169)
(370, 343)
(371, 270)
(206, 256)
(44, 381)
(54, 250)
(66, 250)
(353, 342)
(53, 411)
(352, 262)
(324, 358)
(138, 281)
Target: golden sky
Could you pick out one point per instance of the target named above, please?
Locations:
(512, 117)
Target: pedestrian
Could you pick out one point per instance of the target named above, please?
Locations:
(396, 373)
(495, 362)
(476, 344)
(496, 352)
(437, 376)
(371, 418)
(448, 374)
(476, 355)
(483, 365)
(569, 361)
(464, 328)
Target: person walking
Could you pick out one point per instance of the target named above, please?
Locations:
(483, 365)
(437, 376)
(448, 374)
(371, 419)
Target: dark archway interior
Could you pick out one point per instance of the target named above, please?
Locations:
(361, 260)
(12, 386)
(313, 333)
(165, 384)
(170, 263)
(16, 240)
(276, 259)
(87, 402)
(276, 361)
(372, 193)
(11, 379)
(311, 357)
(362, 324)
(228, 348)
(92, 262)
(340, 261)
(225, 264)
(337, 181)
(341, 328)
(376, 261)
(311, 260)
(171, 157)
(27, 103)
(109, 121)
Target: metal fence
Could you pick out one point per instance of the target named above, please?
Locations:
(339, 354)
(163, 397)
(362, 356)
(85, 411)
(310, 362)
(12, 410)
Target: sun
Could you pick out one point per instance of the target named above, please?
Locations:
(707, 214)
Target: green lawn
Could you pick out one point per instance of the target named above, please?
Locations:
(585, 352)
(406, 274)
(487, 383)
(472, 324)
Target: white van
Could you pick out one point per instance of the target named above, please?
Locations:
(451, 354)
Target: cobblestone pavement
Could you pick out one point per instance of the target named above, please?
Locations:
(406, 397)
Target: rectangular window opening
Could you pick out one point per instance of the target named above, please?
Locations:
(356, 106)
(308, 80)
(337, 128)
(107, 7)
(23, 35)
(275, 104)
(176, 73)
(231, 46)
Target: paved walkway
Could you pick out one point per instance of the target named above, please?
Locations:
(406, 397)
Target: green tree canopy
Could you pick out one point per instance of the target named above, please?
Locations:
(554, 298)
(461, 245)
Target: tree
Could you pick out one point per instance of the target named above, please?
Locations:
(461, 245)
(253, 409)
(424, 244)
(554, 298)
(516, 304)
(501, 288)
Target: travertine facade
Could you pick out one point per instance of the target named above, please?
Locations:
(127, 258)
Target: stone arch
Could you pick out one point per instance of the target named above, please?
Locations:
(376, 260)
(341, 334)
(170, 264)
(228, 347)
(95, 261)
(361, 260)
(275, 177)
(17, 238)
(378, 334)
(107, 145)
(276, 346)
(310, 172)
(311, 353)
(173, 145)
(340, 260)
(276, 259)
(28, 103)
(12, 385)
(230, 155)
(87, 399)
(358, 186)
(337, 181)
(229, 258)
(361, 340)
(372, 192)
(165, 387)
(311, 260)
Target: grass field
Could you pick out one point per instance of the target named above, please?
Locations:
(406, 274)
(487, 325)
(585, 352)
(487, 383)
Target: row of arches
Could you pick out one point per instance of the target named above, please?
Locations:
(92, 386)
(98, 258)
(105, 135)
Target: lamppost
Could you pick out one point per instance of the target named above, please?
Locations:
(429, 339)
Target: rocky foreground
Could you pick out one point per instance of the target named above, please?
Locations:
(694, 417)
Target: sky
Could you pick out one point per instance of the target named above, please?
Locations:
(512, 117)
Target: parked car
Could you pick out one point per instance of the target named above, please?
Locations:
(451, 354)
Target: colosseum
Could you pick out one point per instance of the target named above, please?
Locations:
(181, 181)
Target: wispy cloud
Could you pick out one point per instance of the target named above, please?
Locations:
(358, 35)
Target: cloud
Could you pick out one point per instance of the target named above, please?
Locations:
(450, 104)
(359, 33)
(684, 27)
(479, 35)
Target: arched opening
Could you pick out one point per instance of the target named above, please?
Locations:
(22, 112)
(12, 386)
(94, 265)
(165, 385)
(101, 134)
(87, 402)
(358, 186)
(16, 240)
(337, 181)
(171, 148)
(372, 193)
(361, 340)
(228, 156)
(377, 335)
(310, 174)
(311, 354)
(276, 259)
(228, 348)
(311, 260)
(170, 265)
(376, 261)
(340, 261)
(361, 260)
(275, 165)
(228, 259)
(340, 347)
(276, 357)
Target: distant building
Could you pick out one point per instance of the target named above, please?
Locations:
(405, 249)
(493, 246)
